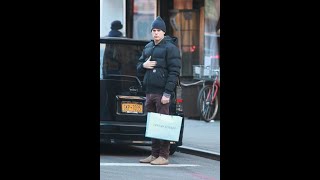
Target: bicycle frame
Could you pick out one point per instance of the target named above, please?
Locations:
(215, 88)
(208, 102)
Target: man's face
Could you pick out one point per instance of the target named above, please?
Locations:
(157, 34)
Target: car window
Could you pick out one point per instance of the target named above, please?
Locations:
(119, 59)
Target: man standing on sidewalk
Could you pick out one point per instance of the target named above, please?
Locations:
(160, 63)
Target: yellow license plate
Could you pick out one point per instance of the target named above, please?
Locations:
(131, 107)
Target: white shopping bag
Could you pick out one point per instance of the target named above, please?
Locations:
(162, 126)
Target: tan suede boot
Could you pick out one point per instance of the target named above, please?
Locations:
(148, 159)
(160, 161)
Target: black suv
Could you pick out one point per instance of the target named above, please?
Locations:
(122, 98)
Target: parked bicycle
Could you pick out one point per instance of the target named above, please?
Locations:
(208, 102)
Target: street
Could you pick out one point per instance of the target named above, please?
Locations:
(122, 163)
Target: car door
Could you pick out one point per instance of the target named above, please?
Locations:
(118, 80)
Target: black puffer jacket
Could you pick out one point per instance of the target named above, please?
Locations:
(163, 78)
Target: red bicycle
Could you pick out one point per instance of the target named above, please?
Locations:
(208, 102)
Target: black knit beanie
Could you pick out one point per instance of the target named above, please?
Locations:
(158, 23)
(115, 25)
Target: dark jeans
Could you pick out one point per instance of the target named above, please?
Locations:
(153, 104)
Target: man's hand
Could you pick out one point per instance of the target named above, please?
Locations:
(165, 100)
(149, 64)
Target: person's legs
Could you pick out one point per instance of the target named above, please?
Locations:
(164, 149)
(164, 145)
(155, 147)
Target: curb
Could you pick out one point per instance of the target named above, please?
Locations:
(199, 152)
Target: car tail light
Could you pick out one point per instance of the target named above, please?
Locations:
(179, 100)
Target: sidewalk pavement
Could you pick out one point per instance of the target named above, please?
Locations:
(201, 138)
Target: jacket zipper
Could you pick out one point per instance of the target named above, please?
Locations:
(150, 59)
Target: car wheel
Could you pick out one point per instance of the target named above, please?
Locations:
(173, 148)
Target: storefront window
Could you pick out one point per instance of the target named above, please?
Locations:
(211, 46)
(111, 10)
(185, 23)
(144, 12)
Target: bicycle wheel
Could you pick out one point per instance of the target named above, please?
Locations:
(207, 110)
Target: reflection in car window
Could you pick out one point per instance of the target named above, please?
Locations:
(120, 59)
(112, 60)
